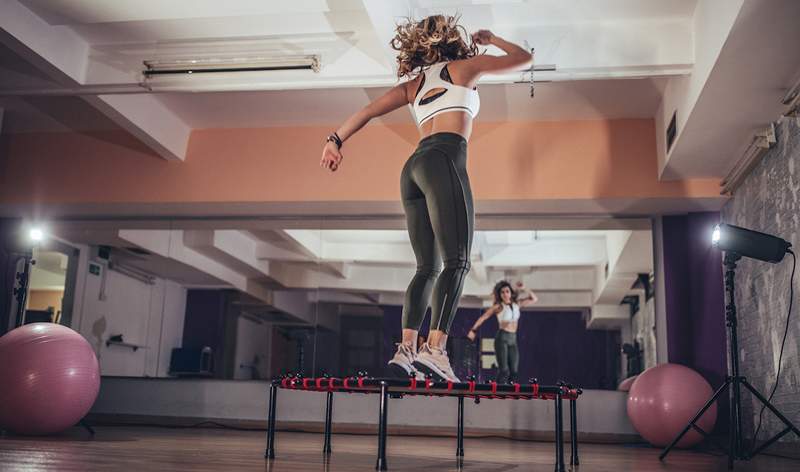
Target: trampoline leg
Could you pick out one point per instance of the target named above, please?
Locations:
(270, 452)
(559, 435)
(460, 440)
(326, 448)
(573, 433)
(384, 400)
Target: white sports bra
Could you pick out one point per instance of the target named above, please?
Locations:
(509, 313)
(453, 98)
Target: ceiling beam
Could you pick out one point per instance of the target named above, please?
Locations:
(64, 56)
(90, 12)
(146, 118)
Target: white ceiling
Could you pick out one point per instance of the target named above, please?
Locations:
(613, 59)
(88, 12)
(609, 41)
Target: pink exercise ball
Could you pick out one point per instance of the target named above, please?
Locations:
(664, 398)
(49, 376)
(625, 385)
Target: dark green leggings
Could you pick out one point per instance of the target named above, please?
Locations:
(437, 201)
(507, 354)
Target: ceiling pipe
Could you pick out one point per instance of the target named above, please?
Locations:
(235, 82)
(258, 82)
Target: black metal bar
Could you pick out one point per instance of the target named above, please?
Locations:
(573, 433)
(769, 442)
(769, 405)
(693, 420)
(384, 400)
(559, 435)
(326, 447)
(700, 430)
(363, 384)
(460, 440)
(737, 402)
(735, 445)
(732, 431)
(270, 452)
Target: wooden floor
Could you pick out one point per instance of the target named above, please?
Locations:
(141, 449)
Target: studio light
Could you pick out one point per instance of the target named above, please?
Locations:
(36, 235)
(749, 243)
(737, 243)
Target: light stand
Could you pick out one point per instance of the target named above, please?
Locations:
(21, 290)
(735, 448)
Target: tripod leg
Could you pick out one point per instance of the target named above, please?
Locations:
(88, 427)
(693, 420)
(769, 405)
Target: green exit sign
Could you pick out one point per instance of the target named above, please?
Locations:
(94, 269)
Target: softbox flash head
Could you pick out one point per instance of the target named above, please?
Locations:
(749, 243)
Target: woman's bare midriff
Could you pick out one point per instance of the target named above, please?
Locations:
(458, 122)
(510, 326)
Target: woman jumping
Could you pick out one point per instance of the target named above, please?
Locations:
(442, 71)
(507, 303)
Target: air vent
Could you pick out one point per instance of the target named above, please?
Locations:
(672, 130)
(138, 250)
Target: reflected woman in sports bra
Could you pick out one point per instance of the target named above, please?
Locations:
(442, 71)
(507, 302)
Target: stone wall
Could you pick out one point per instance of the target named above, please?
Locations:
(769, 201)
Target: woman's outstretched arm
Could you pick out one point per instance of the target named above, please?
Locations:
(485, 316)
(391, 100)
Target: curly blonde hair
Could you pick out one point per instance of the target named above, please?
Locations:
(435, 39)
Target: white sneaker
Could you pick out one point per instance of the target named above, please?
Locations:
(402, 364)
(433, 360)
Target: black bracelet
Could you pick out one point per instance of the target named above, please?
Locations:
(334, 138)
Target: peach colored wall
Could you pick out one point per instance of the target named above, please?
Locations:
(519, 160)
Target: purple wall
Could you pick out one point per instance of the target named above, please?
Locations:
(553, 346)
(694, 297)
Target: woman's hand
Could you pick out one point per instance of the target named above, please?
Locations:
(520, 285)
(471, 335)
(482, 37)
(331, 156)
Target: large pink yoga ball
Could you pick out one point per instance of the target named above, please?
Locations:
(664, 398)
(49, 376)
(625, 385)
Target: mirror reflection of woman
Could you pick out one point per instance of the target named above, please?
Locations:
(507, 302)
(443, 69)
